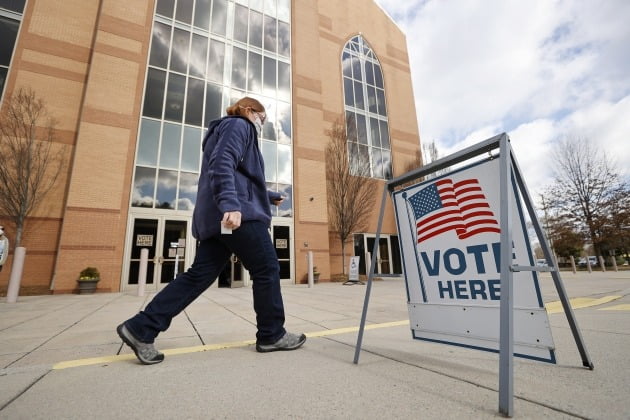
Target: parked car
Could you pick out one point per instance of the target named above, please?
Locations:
(541, 262)
(592, 259)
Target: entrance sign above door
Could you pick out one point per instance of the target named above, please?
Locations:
(144, 240)
(451, 244)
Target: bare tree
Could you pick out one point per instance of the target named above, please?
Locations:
(585, 183)
(29, 167)
(350, 191)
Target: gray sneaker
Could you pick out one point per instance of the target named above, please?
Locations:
(288, 341)
(145, 352)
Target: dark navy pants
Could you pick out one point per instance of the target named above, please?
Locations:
(252, 244)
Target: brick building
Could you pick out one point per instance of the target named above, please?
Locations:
(133, 83)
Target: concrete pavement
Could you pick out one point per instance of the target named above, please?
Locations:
(61, 359)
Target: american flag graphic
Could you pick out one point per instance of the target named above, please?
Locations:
(447, 205)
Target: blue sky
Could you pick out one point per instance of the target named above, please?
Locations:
(540, 70)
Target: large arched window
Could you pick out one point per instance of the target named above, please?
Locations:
(366, 111)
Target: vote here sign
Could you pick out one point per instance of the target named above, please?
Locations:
(450, 236)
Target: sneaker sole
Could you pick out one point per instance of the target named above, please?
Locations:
(270, 348)
(128, 342)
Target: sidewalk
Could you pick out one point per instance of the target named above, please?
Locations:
(61, 358)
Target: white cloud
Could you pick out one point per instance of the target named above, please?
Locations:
(540, 70)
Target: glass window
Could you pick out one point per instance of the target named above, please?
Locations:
(380, 100)
(239, 68)
(284, 123)
(284, 39)
(184, 11)
(270, 7)
(356, 69)
(8, 35)
(191, 149)
(284, 81)
(198, 56)
(358, 95)
(216, 61)
(193, 76)
(377, 164)
(254, 72)
(270, 34)
(154, 94)
(348, 91)
(285, 209)
(284, 163)
(375, 136)
(271, 124)
(214, 95)
(284, 10)
(3, 78)
(165, 8)
(202, 14)
(219, 17)
(240, 23)
(160, 42)
(384, 134)
(174, 107)
(361, 129)
(143, 187)
(369, 73)
(148, 142)
(169, 149)
(269, 156)
(188, 183)
(378, 76)
(366, 110)
(387, 164)
(179, 51)
(256, 5)
(194, 101)
(166, 189)
(372, 99)
(255, 29)
(346, 64)
(13, 5)
(351, 126)
(269, 77)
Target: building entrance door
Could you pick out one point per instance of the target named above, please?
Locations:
(387, 257)
(283, 243)
(167, 240)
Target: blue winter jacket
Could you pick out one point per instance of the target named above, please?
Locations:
(232, 177)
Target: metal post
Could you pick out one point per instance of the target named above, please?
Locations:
(573, 265)
(142, 272)
(602, 263)
(370, 276)
(506, 323)
(310, 269)
(555, 274)
(13, 290)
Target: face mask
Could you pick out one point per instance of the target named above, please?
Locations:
(258, 124)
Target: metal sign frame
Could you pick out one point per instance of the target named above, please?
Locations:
(508, 168)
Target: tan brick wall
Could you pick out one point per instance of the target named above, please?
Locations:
(320, 31)
(95, 95)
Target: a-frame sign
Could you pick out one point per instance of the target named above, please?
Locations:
(468, 264)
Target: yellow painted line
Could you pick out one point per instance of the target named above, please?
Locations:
(579, 303)
(622, 307)
(208, 347)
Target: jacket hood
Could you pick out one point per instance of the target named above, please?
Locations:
(214, 124)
